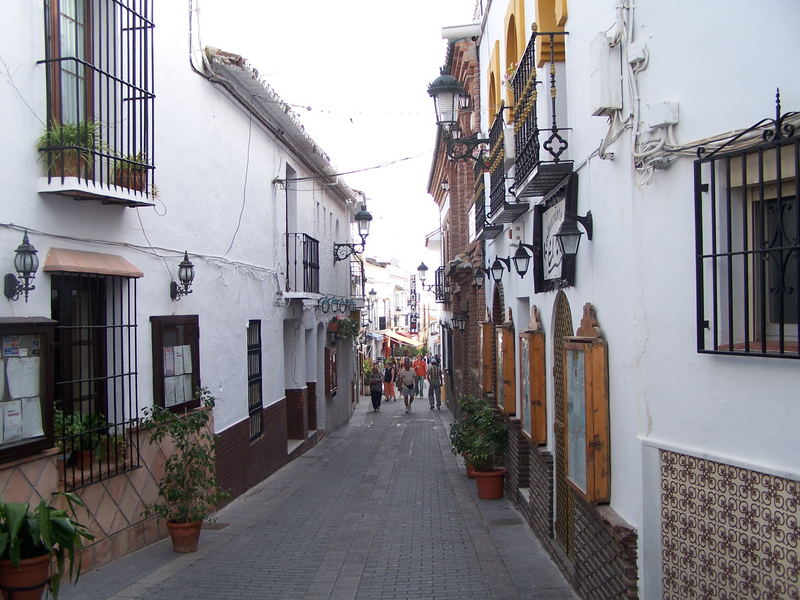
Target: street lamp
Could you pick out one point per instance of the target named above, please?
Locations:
(460, 320)
(25, 263)
(522, 259)
(497, 268)
(342, 251)
(569, 236)
(449, 96)
(186, 276)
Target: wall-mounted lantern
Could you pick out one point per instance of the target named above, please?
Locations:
(186, 276)
(569, 236)
(342, 251)
(26, 263)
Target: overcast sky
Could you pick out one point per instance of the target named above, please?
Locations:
(362, 67)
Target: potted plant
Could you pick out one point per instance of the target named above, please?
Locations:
(79, 435)
(479, 436)
(188, 490)
(131, 171)
(344, 327)
(66, 148)
(29, 539)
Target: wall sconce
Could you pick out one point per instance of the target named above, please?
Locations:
(496, 269)
(479, 274)
(342, 251)
(445, 185)
(185, 275)
(569, 236)
(422, 273)
(25, 262)
(460, 320)
(522, 259)
(449, 96)
(371, 300)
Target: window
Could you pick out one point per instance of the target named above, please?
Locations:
(506, 378)
(330, 373)
(533, 385)
(26, 398)
(95, 373)
(99, 81)
(176, 361)
(747, 216)
(254, 402)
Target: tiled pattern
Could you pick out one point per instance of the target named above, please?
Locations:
(727, 532)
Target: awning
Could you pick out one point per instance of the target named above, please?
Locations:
(61, 260)
(402, 339)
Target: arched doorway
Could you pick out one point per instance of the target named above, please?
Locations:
(562, 327)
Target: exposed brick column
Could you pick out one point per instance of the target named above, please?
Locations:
(296, 421)
(311, 403)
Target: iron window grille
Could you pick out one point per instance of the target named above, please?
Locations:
(96, 371)
(99, 82)
(302, 261)
(357, 279)
(441, 287)
(254, 387)
(497, 172)
(747, 226)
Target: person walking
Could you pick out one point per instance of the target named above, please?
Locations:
(420, 371)
(435, 384)
(405, 379)
(389, 376)
(375, 387)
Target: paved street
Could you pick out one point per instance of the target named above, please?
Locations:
(379, 509)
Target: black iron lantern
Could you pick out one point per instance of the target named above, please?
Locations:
(25, 263)
(497, 268)
(422, 272)
(363, 219)
(448, 95)
(478, 274)
(522, 259)
(185, 276)
(460, 321)
(569, 236)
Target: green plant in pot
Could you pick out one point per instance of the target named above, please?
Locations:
(346, 328)
(130, 171)
(30, 539)
(479, 436)
(67, 148)
(188, 491)
(79, 435)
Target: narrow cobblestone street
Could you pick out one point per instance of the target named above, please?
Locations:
(379, 509)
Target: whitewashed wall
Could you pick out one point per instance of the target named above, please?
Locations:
(202, 154)
(721, 60)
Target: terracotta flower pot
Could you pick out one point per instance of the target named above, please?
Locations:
(133, 179)
(490, 483)
(470, 469)
(184, 535)
(27, 581)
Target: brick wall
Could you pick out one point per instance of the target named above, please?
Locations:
(540, 482)
(311, 404)
(515, 459)
(241, 464)
(296, 414)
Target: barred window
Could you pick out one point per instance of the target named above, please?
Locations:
(254, 388)
(748, 249)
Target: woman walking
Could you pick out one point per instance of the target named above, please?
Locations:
(405, 379)
(375, 387)
(389, 375)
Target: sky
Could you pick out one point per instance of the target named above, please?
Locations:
(356, 72)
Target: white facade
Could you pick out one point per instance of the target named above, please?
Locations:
(217, 162)
(639, 270)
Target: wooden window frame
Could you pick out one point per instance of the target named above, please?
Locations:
(331, 386)
(508, 369)
(537, 380)
(591, 344)
(159, 324)
(44, 328)
(487, 357)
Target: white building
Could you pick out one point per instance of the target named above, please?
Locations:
(668, 466)
(228, 179)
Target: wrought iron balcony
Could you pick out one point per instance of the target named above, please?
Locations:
(540, 165)
(441, 287)
(501, 211)
(357, 279)
(483, 229)
(302, 263)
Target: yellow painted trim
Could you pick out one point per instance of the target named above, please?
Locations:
(493, 81)
(548, 14)
(561, 13)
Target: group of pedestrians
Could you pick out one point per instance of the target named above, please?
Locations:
(409, 380)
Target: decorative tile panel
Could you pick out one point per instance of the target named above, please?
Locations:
(727, 532)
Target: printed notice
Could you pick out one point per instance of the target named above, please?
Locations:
(23, 376)
(169, 361)
(2, 381)
(12, 421)
(31, 417)
(187, 359)
(11, 345)
(179, 398)
(187, 388)
(178, 350)
(169, 391)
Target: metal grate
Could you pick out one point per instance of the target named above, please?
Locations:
(747, 228)
(302, 263)
(254, 387)
(497, 173)
(99, 81)
(564, 502)
(441, 286)
(96, 388)
(357, 279)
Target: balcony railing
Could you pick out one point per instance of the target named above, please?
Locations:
(357, 280)
(441, 286)
(483, 229)
(540, 165)
(302, 263)
(502, 211)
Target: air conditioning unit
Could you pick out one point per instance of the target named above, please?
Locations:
(605, 79)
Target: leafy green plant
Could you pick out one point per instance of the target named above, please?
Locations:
(130, 171)
(188, 490)
(75, 431)
(26, 533)
(346, 328)
(480, 434)
(66, 148)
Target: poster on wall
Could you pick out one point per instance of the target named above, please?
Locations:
(500, 387)
(525, 383)
(576, 418)
(551, 269)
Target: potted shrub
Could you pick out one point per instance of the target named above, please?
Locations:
(131, 172)
(187, 491)
(80, 435)
(479, 436)
(66, 148)
(344, 327)
(29, 539)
